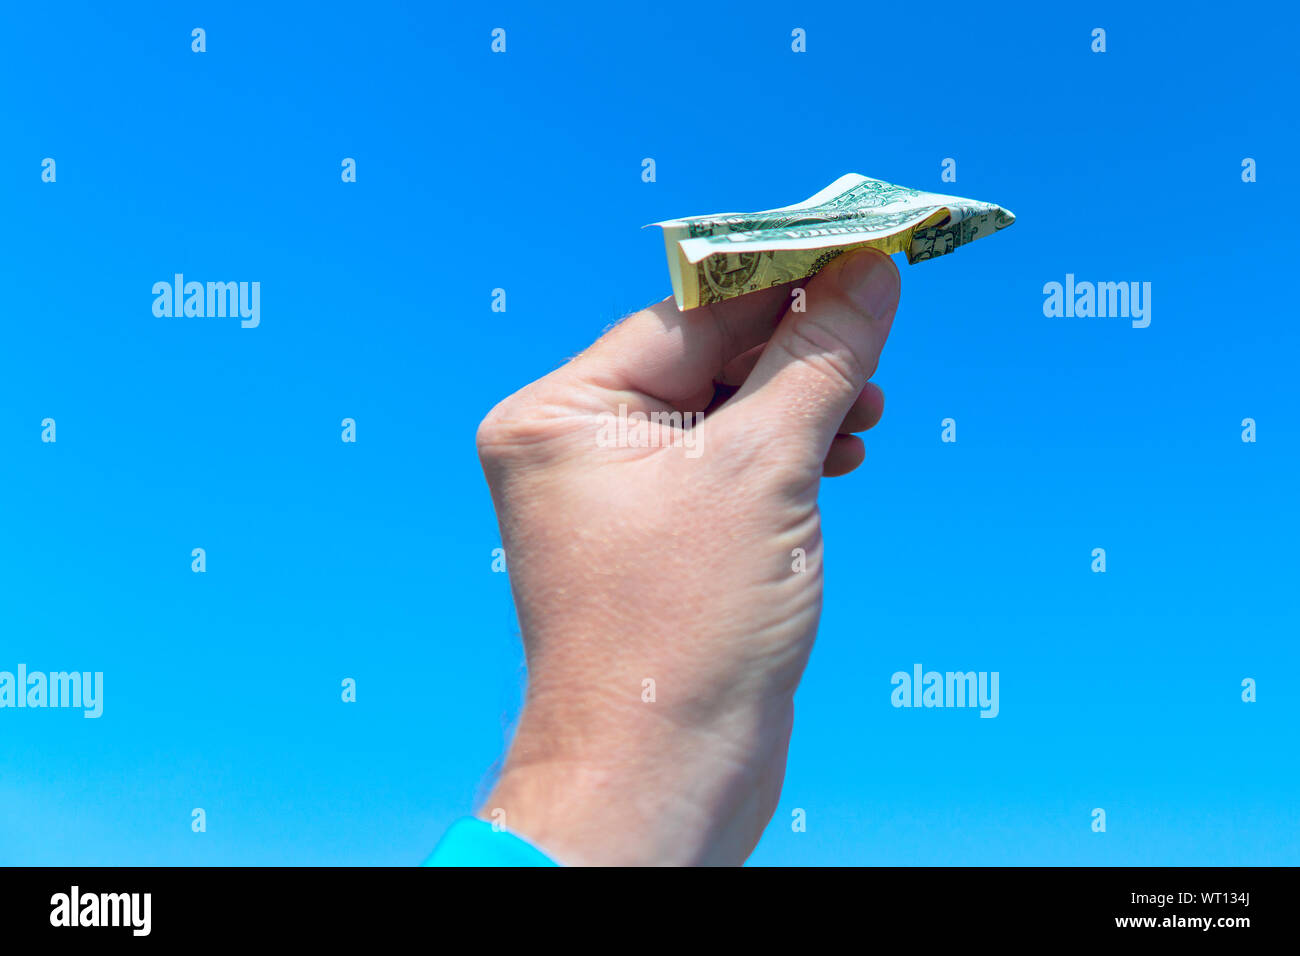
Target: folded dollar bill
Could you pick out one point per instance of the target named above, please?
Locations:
(711, 258)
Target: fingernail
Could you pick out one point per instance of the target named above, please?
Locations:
(870, 279)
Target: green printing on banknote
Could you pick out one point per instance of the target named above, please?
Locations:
(716, 257)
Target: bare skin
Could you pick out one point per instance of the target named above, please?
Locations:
(636, 563)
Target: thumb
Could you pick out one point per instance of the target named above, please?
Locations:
(819, 360)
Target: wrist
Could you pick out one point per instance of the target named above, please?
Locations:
(656, 795)
(587, 816)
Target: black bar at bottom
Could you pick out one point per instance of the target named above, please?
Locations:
(334, 907)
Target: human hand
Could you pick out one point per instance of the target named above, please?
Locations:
(674, 562)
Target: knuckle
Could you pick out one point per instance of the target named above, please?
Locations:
(513, 424)
(822, 349)
(534, 424)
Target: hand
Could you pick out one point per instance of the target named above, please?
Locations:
(675, 562)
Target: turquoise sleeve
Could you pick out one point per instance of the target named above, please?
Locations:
(473, 842)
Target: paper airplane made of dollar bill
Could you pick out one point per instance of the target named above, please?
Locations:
(711, 258)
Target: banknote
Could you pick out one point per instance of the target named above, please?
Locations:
(711, 258)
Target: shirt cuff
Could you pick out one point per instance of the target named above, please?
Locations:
(473, 842)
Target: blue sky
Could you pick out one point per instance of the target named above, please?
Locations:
(372, 560)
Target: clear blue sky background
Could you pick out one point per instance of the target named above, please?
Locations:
(327, 560)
